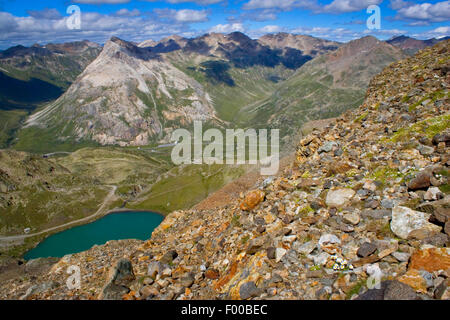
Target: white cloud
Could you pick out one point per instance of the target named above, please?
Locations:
(438, 32)
(128, 13)
(399, 4)
(51, 14)
(94, 26)
(280, 4)
(188, 15)
(336, 34)
(442, 30)
(271, 29)
(101, 1)
(7, 22)
(183, 16)
(265, 30)
(341, 6)
(228, 28)
(200, 2)
(428, 12)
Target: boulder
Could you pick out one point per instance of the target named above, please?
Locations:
(252, 199)
(248, 290)
(366, 249)
(432, 259)
(119, 279)
(421, 181)
(389, 290)
(406, 221)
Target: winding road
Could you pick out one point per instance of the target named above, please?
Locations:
(98, 213)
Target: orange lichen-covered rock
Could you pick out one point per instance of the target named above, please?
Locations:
(414, 279)
(252, 199)
(432, 259)
(212, 274)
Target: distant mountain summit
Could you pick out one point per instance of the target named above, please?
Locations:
(411, 45)
(307, 44)
(58, 64)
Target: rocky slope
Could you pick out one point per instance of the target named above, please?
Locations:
(366, 196)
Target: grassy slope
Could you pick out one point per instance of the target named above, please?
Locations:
(185, 186)
(9, 123)
(250, 86)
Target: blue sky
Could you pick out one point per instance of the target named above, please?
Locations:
(27, 22)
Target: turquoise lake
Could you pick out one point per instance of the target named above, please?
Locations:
(115, 226)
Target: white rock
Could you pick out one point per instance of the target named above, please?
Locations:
(401, 256)
(369, 185)
(289, 239)
(352, 218)
(328, 238)
(339, 197)
(433, 193)
(405, 220)
(279, 254)
(306, 248)
(321, 259)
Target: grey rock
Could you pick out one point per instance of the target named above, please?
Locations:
(271, 252)
(122, 271)
(120, 277)
(255, 245)
(327, 147)
(154, 268)
(425, 150)
(248, 290)
(389, 290)
(187, 280)
(36, 289)
(168, 257)
(401, 256)
(388, 203)
(366, 249)
(437, 239)
(396, 290)
(406, 221)
(114, 291)
(421, 181)
(306, 248)
(376, 214)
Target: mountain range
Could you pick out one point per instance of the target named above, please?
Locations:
(137, 94)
